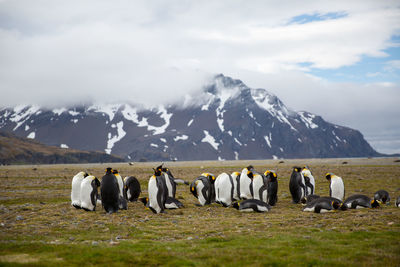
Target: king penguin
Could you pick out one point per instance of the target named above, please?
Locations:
(89, 193)
(224, 189)
(336, 188)
(76, 189)
(236, 185)
(297, 185)
(123, 205)
(132, 188)
(360, 201)
(322, 205)
(109, 192)
(250, 205)
(398, 202)
(202, 188)
(382, 196)
(272, 182)
(246, 179)
(308, 180)
(157, 192)
(260, 187)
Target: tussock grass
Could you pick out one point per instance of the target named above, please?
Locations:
(39, 227)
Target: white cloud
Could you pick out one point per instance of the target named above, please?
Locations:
(55, 52)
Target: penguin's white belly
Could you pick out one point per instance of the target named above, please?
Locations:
(169, 185)
(76, 191)
(153, 191)
(245, 188)
(223, 189)
(171, 205)
(120, 185)
(85, 192)
(337, 188)
(247, 210)
(309, 209)
(262, 208)
(200, 197)
(257, 183)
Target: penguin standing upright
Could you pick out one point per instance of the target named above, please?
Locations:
(360, 201)
(309, 181)
(89, 193)
(236, 185)
(109, 192)
(246, 179)
(168, 180)
(382, 196)
(250, 205)
(157, 192)
(260, 187)
(121, 201)
(132, 188)
(224, 189)
(336, 187)
(297, 185)
(76, 189)
(272, 182)
(202, 188)
(398, 202)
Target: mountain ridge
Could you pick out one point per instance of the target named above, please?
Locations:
(227, 120)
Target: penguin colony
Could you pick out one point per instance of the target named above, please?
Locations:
(246, 191)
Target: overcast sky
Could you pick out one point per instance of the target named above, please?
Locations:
(337, 59)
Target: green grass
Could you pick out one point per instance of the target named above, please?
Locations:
(51, 232)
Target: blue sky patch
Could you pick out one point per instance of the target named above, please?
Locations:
(307, 18)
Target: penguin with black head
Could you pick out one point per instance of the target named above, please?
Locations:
(272, 179)
(250, 205)
(89, 193)
(122, 203)
(259, 186)
(382, 196)
(110, 192)
(236, 185)
(203, 189)
(297, 185)
(322, 205)
(76, 189)
(176, 180)
(168, 180)
(158, 192)
(336, 187)
(358, 201)
(132, 188)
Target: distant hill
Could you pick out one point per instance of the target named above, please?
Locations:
(18, 150)
(226, 120)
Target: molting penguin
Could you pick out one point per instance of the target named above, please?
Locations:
(224, 189)
(132, 188)
(157, 192)
(89, 193)
(76, 189)
(202, 189)
(307, 199)
(272, 180)
(236, 185)
(250, 205)
(297, 185)
(398, 202)
(309, 181)
(382, 196)
(246, 179)
(336, 188)
(109, 192)
(360, 201)
(122, 203)
(322, 205)
(260, 187)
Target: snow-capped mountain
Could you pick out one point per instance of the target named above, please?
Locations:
(227, 120)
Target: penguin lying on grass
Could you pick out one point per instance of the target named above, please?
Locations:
(382, 196)
(323, 204)
(170, 203)
(360, 201)
(251, 205)
(307, 199)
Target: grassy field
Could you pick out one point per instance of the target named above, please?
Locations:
(39, 227)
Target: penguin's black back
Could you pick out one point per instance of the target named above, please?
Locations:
(272, 190)
(294, 185)
(109, 192)
(382, 195)
(133, 185)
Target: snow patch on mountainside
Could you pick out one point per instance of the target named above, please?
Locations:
(109, 109)
(22, 113)
(210, 139)
(114, 139)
